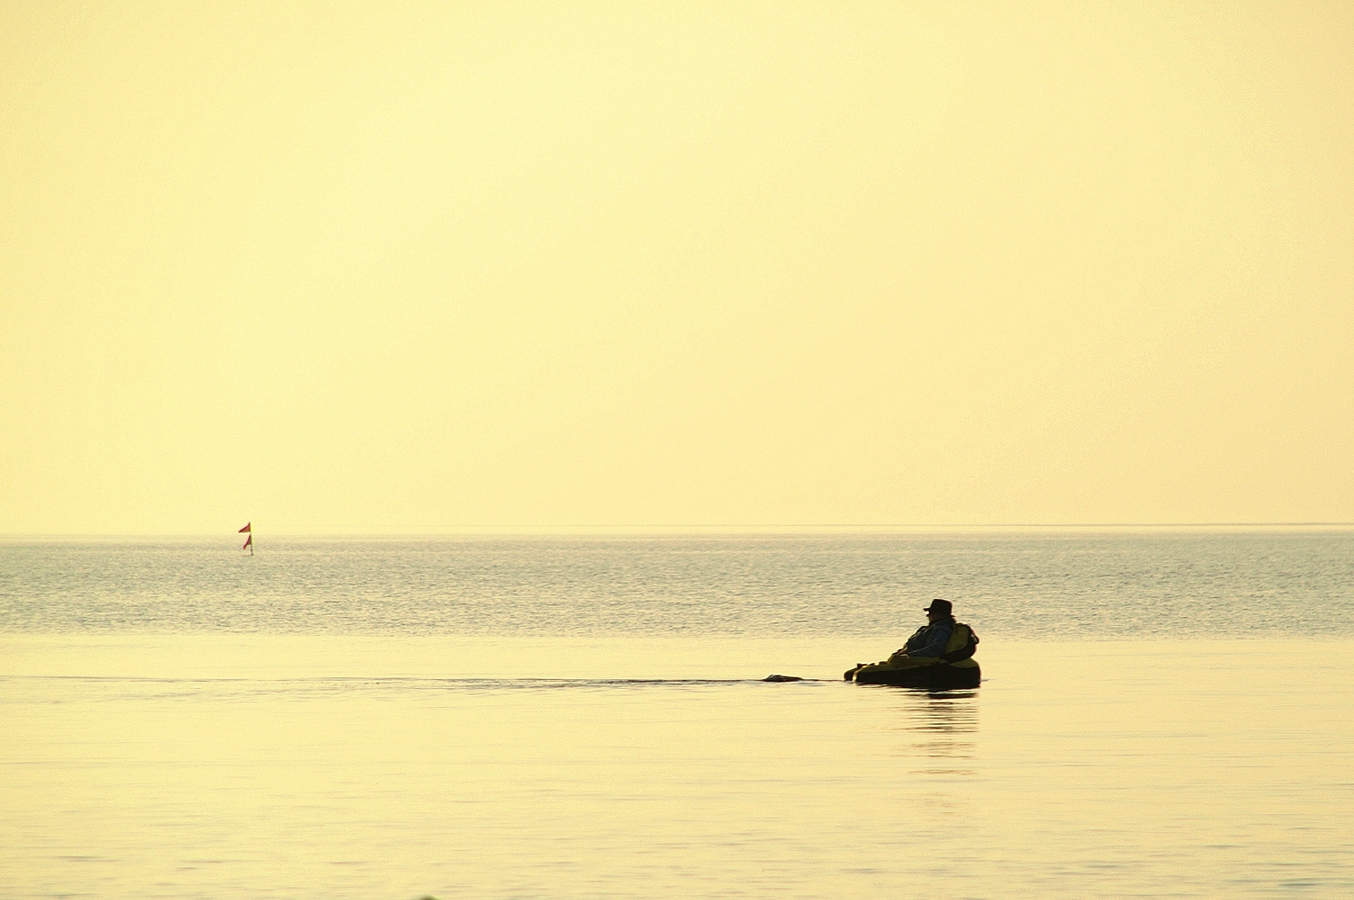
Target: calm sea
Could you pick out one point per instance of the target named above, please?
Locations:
(1163, 714)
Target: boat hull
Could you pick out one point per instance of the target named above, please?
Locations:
(938, 676)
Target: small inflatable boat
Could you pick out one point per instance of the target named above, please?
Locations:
(956, 668)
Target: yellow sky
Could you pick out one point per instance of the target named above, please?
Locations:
(333, 267)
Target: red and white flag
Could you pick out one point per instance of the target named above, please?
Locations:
(245, 529)
(248, 542)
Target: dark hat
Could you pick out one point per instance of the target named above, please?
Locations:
(941, 606)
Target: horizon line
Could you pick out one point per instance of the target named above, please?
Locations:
(524, 530)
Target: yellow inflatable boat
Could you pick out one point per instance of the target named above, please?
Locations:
(956, 668)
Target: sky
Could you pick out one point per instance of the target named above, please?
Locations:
(428, 267)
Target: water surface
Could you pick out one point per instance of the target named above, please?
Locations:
(402, 719)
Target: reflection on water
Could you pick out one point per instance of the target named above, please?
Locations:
(279, 768)
(934, 726)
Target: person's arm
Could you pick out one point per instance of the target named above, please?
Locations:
(916, 640)
(937, 637)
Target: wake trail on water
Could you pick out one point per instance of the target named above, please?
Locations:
(358, 682)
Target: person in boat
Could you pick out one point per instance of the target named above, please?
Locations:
(928, 660)
(931, 638)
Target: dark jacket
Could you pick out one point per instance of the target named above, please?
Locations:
(930, 640)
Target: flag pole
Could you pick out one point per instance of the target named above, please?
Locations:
(248, 541)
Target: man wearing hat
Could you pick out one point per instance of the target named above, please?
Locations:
(931, 638)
